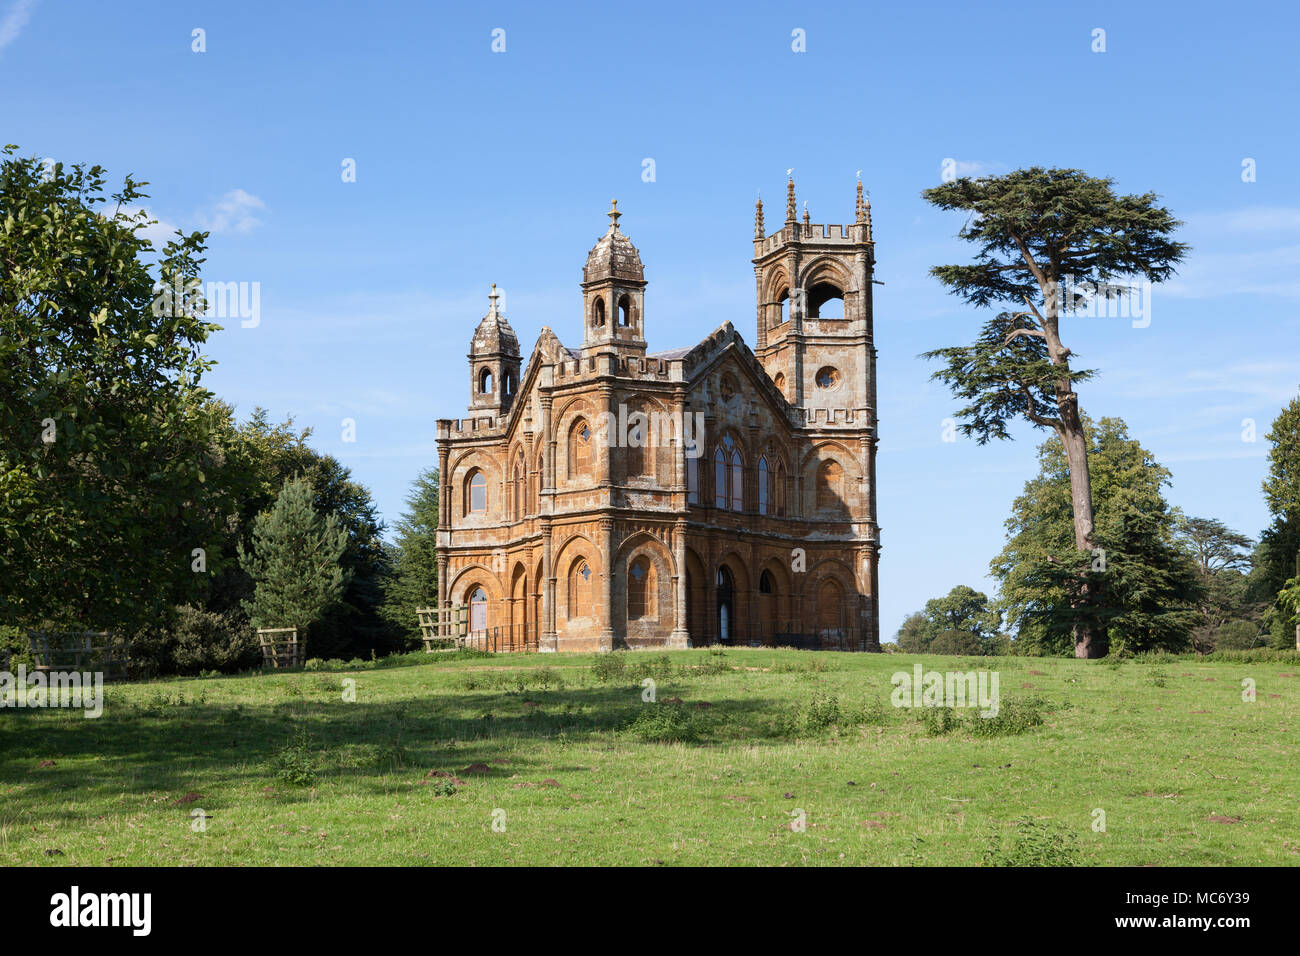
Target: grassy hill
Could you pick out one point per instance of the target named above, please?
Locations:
(771, 757)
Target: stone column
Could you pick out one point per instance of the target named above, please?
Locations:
(606, 636)
(548, 639)
(680, 637)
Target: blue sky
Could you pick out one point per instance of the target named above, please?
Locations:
(475, 167)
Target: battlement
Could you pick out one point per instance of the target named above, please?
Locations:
(610, 363)
(842, 417)
(479, 425)
(820, 233)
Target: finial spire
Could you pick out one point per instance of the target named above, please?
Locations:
(613, 214)
(860, 207)
(493, 296)
(790, 204)
(806, 220)
(758, 217)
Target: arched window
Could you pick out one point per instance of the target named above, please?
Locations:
(784, 300)
(580, 450)
(520, 490)
(640, 589)
(719, 479)
(624, 311)
(825, 301)
(476, 492)
(693, 479)
(580, 588)
(830, 485)
(478, 610)
(830, 606)
(737, 482)
(778, 489)
(728, 476)
(598, 311)
(485, 381)
(779, 382)
(762, 485)
(765, 585)
(510, 383)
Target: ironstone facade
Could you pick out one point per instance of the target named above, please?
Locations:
(609, 497)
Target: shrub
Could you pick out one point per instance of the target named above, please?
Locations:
(1013, 717)
(664, 724)
(1239, 636)
(1031, 843)
(821, 712)
(15, 647)
(938, 720)
(206, 640)
(295, 764)
(609, 667)
(957, 644)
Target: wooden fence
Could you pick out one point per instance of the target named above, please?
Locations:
(100, 651)
(280, 647)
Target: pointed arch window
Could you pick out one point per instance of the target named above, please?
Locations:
(580, 449)
(476, 493)
(693, 479)
(520, 490)
(737, 482)
(763, 479)
(830, 485)
(778, 489)
(719, 478)
(580, 588)
(641, 589)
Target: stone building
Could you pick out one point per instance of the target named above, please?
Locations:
(607, 496)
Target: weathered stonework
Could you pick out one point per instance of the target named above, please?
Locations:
(575, 515)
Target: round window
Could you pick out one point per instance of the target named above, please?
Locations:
(828, 377)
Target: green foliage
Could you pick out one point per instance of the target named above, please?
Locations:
(294, 562)
(1035, 228)
(938, 721)
(610, 667)
(15, 648)
(1031, 843)
(957, 643)
(1015, 716)
(191, 640)
(414, 581)
(106, 436)
(1237, 635)
(295, 764)
(1143, 584)
(664, 724)
(962, 622)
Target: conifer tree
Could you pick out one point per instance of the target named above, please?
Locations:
(295, 561)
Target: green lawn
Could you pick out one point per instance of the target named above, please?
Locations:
(288, 772)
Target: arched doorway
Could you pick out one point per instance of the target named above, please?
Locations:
(726, 593)
(478, 610)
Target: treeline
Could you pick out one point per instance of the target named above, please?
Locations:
(131, 499)
(1159, 580)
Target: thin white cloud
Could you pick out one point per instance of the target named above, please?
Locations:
(970, 167)
(1252, 220)
(233, 212)
(14, 20)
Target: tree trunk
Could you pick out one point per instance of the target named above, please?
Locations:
(1087, 643)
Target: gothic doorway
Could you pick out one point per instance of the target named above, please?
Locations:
(726, 606)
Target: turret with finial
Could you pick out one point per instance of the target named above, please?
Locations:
(791, 206)
(758, 217)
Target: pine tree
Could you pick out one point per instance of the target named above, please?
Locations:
(295, 561)
(415, 577)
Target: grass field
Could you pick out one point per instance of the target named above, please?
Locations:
(558, 760)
